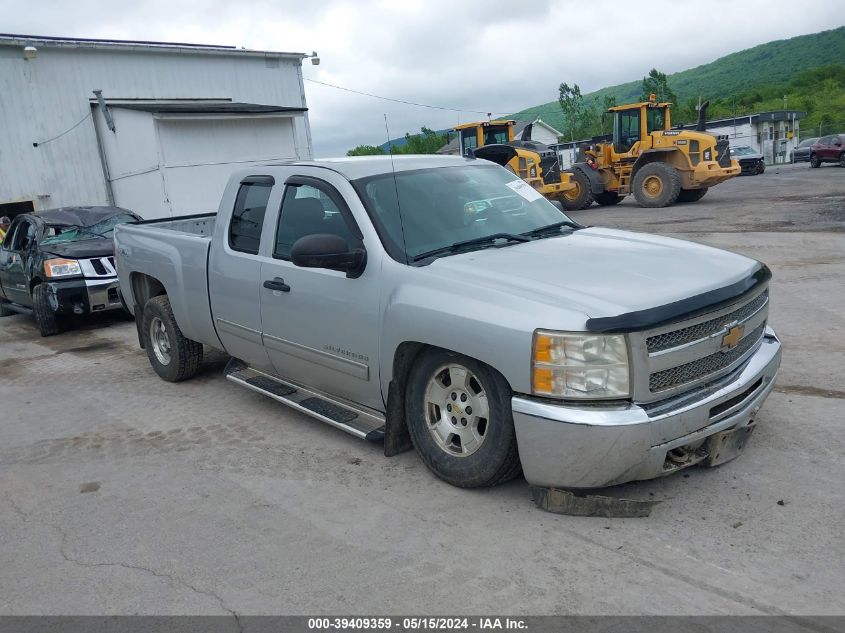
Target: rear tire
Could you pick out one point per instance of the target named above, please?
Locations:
(691, 195)
(815, 161)
(459, 417)
(48, 321)
(657, 185)
(579, 198)
(173, 356)
(608, 198)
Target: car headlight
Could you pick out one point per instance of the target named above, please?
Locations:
(62, 268)
(590, 366)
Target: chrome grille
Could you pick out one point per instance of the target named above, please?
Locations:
(690, 372)
(705, 329)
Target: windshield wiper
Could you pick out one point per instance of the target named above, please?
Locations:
(550, 228)
(477, 241)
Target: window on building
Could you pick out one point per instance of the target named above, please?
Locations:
(248, 217)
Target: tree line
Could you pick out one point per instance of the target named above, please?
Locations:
(820, 92)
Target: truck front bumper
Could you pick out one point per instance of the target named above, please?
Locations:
(82, 296)
(596, 445)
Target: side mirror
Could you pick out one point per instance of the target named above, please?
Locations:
(323, 250)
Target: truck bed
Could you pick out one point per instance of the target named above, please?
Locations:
(193, 224)
(173, 252)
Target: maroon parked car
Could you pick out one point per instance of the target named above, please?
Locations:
(828, 149)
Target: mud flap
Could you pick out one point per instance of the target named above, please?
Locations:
(727, 445)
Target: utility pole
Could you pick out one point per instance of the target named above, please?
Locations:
(784, 102)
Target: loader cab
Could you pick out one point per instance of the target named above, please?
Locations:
(634, 122)
(475, 135)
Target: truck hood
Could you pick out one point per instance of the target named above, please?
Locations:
(599, 272)
(95, 247)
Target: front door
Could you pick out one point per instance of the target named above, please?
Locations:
(15, 249)
(320, 327)
(626, 131)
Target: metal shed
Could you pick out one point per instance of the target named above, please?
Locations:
(153, 127)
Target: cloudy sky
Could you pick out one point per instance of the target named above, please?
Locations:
(474, 55)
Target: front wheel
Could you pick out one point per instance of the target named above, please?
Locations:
(761, 167)
(48, 321)
(460, 421)
(173, 356)
(815, 161)
(842, 159)
(657, 185)
(691, 195)
(581, 196)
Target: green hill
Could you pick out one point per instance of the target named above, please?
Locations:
(763, 66)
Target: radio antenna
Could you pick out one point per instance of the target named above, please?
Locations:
(396, 188)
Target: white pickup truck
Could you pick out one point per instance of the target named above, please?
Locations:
(441, 302)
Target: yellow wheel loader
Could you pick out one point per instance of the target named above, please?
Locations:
(536, 163)
(647, 158)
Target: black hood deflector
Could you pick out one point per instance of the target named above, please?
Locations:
(683, 309)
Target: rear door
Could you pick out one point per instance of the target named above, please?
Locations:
(13, 253)
(323, 330)
(234, 270)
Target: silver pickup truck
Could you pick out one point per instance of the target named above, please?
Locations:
(442, 303)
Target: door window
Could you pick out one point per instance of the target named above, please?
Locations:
(628, 126)
(469, 140)
(22, 236)
(655, 119)
(496, 135)
(308, 210)
(248, 217)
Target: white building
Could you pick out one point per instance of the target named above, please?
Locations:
(153, 127)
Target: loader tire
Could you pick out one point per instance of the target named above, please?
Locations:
(657, 185)
(581, 196)
(691, 195)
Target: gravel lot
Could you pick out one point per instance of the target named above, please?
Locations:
(120, 493)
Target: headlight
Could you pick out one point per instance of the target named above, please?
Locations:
(62, 268)
(580, 365)
(708, 155)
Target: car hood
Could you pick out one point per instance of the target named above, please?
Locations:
(598, 272)
(95, 247)
(743, 157)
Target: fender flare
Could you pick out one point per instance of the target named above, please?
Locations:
(499, 153)
(592, 175)
(647, 157)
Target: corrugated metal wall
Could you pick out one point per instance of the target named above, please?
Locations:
(46, 96)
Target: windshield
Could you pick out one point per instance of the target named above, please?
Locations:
(742, 150)
(104, 228)
(443, 206)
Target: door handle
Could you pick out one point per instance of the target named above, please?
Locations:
(277, 283)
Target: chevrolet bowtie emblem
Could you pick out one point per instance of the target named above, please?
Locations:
(733, 337)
